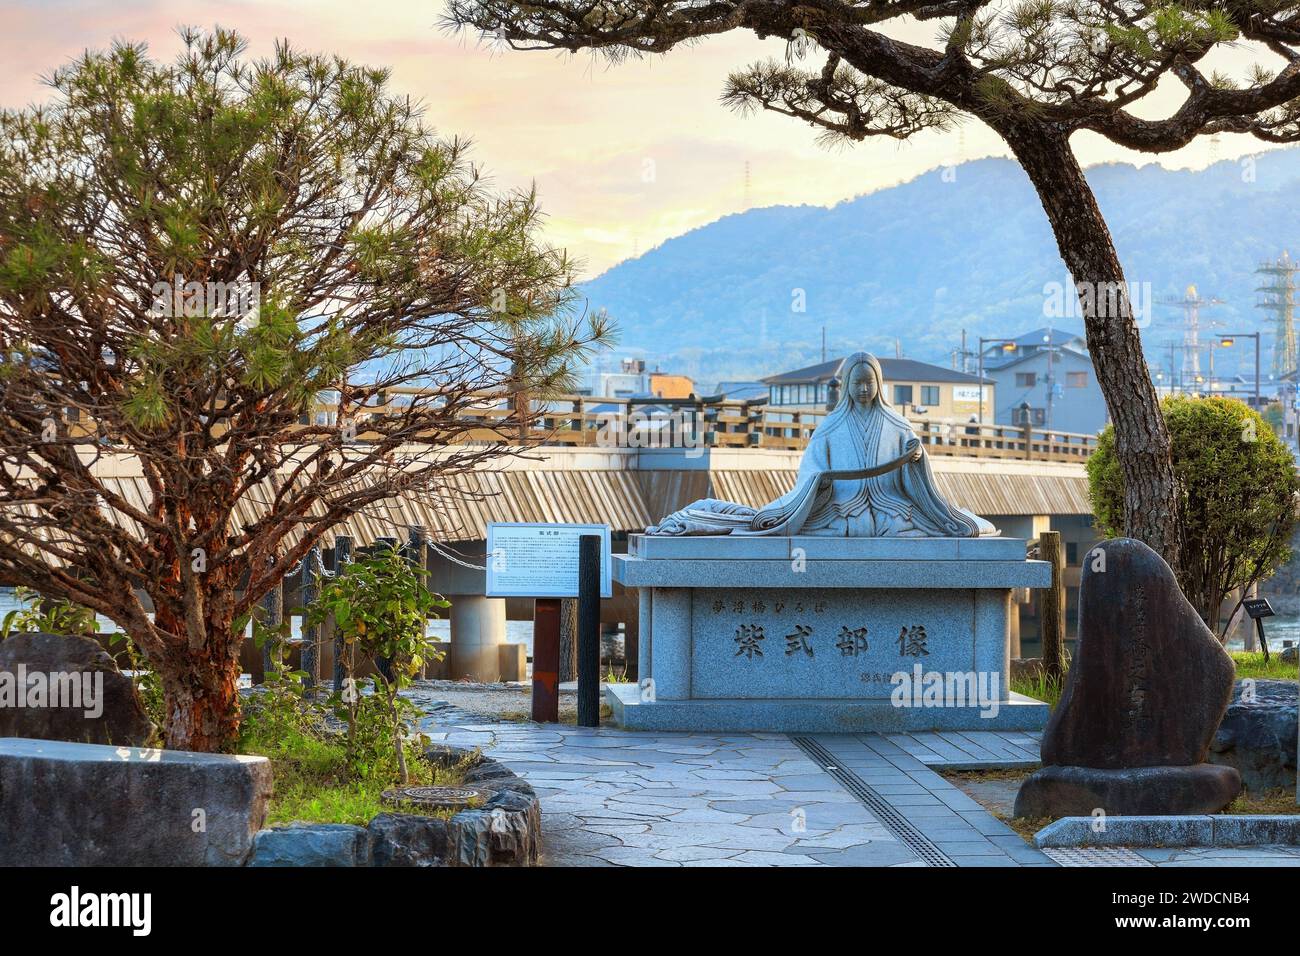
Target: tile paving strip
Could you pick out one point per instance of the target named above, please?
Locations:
(879, 805)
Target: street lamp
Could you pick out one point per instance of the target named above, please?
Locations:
(1226, 340)
(1008, 345)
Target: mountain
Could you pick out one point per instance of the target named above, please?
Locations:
(918, 263)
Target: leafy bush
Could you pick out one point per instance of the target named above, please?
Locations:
(1238, 487)
(321, 773)
(381, 610)
(59, 616)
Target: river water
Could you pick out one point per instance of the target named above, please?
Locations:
(1276, 629)
(517, 632)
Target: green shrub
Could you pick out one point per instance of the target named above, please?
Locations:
(380, 608)
(1238, 486)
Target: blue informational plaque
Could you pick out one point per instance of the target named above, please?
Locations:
(541, 560)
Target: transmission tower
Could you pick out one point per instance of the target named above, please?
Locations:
(1279, 298)
(1191, 304)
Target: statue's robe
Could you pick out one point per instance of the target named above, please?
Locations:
(902, 502)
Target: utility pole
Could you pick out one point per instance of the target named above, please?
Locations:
(1051, 378)
(1280, 298)
(1192, 302)
(1007, 345)
(1226, 341)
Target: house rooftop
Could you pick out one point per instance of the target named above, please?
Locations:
(894, 369)
(1041, 335)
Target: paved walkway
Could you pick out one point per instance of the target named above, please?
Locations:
(617, 798)
(611, 797)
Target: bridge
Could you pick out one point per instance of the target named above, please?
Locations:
(629, 462)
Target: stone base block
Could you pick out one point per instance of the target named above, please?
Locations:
(513, 662)
(66, 804)
(815, 716)
(1138, 791)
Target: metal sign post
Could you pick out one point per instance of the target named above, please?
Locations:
(1258, 609)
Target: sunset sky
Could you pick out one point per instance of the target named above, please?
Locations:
(624, 156)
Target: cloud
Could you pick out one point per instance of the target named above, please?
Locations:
(582, 129)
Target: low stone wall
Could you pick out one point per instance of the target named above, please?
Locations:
(505, 831)
(73, 804)
(1181, 831)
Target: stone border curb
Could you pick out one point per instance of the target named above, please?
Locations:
(504, 831)
(1181, 831)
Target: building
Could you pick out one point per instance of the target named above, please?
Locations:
(663, 385)
(1048, 374)
(916, 388)
(633, 381)
(741, 391)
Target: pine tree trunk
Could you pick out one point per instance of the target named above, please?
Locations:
(1151, 512)
(201, 688)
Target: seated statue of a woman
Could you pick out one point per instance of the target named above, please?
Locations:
(863, 474)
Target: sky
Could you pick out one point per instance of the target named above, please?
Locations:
(623, 157)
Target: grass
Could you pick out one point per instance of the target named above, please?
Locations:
(1251, 664)
(1277, 801)
(1039, 688)
(313, 782)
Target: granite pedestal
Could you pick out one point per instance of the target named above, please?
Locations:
(825, 635)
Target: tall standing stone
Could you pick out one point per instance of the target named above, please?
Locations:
(39, 672)
(1145, 694)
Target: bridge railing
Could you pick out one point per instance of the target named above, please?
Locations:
(599, 421)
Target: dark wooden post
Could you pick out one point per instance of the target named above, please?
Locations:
(1052, 614)
(589, 546)
(342, 558)
(383, 664)
(546, 660)
(310, 636)
(415, 552)
(272, 616)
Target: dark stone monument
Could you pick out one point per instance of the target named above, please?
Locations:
(1144, 697)
(70, 689)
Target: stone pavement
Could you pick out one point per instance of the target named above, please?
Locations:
(618, 798)
(611, 797)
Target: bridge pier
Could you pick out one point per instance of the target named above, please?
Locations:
(478, 629)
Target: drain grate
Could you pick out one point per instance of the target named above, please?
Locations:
(884, 811)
